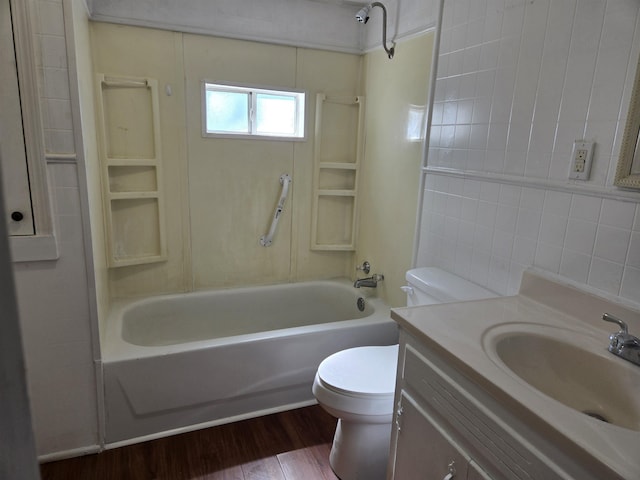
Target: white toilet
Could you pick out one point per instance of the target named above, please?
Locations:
(357, 385)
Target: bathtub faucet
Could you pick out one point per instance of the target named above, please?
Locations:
(371, 281)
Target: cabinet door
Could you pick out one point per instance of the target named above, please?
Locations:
(13, 158)
(424, 451)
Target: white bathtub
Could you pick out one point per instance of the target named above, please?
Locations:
(175, 363)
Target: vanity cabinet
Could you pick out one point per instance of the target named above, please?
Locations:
(446, 427)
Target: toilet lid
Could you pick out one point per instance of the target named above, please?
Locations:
(361, 370)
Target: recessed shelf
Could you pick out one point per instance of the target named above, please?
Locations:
(133, 195)
(136, 231)
(131, 162)
(336, 193)
(332, 234)
(336, 179)
(128, 120)
(338, 165)
(337, 155)
(134, 178)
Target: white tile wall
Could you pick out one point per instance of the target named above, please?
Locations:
(537, 76)
(54, 77)
(491, 235)
(54, 313)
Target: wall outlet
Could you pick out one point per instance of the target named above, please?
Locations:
(581, 158)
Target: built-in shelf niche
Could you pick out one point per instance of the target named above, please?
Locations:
(131, 164)
(338, 148)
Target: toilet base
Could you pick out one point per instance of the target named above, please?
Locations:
(360, 451)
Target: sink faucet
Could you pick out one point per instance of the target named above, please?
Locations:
(623, 344)
(371, 281)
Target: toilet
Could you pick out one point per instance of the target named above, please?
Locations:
(357, 385)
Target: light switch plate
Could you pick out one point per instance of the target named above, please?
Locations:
(581, 158)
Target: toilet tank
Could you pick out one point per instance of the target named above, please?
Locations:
(430, 285)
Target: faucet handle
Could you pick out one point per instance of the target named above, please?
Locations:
(610, 318)
(623, 344)
(365, 267)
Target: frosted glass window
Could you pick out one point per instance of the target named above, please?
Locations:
(227, 112)
(245, 111)
(276, 114)
(415, 123)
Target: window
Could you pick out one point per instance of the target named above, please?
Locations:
(235, 110)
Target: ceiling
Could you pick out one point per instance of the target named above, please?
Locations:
(324, 24)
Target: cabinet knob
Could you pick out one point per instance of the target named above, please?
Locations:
(17, 216)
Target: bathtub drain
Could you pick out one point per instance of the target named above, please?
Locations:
(360, 304)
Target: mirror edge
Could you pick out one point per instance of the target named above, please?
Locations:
(630, 148)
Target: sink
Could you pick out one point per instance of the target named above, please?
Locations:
(572, 369)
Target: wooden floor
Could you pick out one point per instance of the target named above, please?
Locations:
(292, 445)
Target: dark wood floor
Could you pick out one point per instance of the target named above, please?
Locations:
(292, 445)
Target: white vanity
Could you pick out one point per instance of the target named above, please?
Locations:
(518, 387)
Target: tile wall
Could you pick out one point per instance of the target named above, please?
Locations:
(53, 77)
(53, 303)
(518, 82)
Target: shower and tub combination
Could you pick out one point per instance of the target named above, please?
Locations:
(175, 363)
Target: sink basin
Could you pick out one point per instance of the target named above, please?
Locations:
(571, 369)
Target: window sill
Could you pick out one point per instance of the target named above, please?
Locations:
(33, 248)
(248, 136)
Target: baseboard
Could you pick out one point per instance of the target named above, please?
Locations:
(74, 452)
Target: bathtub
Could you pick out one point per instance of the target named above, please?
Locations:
(175, 363)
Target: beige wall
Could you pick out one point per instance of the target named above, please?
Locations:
(220, 193)
(391, 167)
(233, 184)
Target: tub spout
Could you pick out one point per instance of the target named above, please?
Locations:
(371, 281)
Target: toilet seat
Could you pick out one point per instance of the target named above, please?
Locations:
(358, 381)
(361, 371)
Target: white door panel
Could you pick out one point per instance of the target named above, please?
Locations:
(13, 158)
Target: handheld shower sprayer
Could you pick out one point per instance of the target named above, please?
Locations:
(363, 17)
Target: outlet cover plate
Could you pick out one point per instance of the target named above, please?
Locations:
(581, 159)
